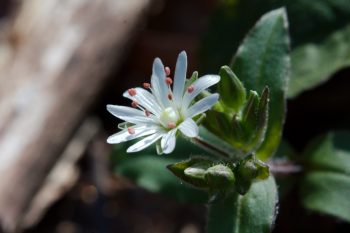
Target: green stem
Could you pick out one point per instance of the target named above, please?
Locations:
(210, 147)
(221, 215)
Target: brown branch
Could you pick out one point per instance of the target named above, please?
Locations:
(63, 54)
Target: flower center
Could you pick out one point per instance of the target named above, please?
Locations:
(169, 117)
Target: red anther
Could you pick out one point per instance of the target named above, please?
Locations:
(190, 89)
(167, 71)
(171, 125)
(131, 130)
(132, 91)
(148, 113)
(169, 81)
(146, 85)
(170, 96)
(134, 104)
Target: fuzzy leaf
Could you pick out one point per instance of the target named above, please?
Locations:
(263, 60)
(253, 212)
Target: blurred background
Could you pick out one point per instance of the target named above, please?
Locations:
(61, 62)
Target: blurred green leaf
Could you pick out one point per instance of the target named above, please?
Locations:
(326, 185)
(263, 60)
(313, 64)
(327, 192)
(253, 212)
(330, 152)
(310, 22)
(148, 170)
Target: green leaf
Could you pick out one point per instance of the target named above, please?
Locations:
(313, 64)
(263, 60)
(232, 91)
(326, 185)
(253, 212)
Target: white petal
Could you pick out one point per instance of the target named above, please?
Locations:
(146, 99)
(179, 78)
(142, 144)
(168, 141)
(124, 135)
(128, 114)
(158, 84)
(202, 105)
(189, 128)
(198, 86)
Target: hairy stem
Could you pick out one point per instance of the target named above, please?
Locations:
(206, 145)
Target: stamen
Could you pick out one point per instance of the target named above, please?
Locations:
(134, 104)
(146, 85)
(169, 81)
(132, 91)
(171, 125)
(170, 96)
(148, 113)
(167, 71)
(190, 89)
(131, 130)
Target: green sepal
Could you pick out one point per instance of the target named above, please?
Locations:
(159, 148)
(218, 124)
(248, 130)
(192, 171)
(249, 170)
(191, 80)
(220, 177)
(237, 133)
(250, 112)
(197, 171)
(199, 118)
(262, 120)
(263, 170)
(124, 125)
(231, 89)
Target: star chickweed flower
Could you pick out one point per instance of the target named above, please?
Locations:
(158, 111)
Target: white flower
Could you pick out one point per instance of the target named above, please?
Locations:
(158, 114)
